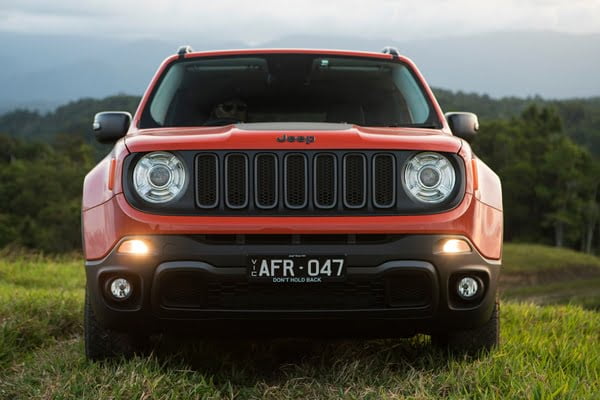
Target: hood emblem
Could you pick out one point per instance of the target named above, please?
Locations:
(291, 139)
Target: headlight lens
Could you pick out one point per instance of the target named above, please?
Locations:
(159, 177)
(429, 177)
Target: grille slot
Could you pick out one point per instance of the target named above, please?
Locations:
(384, 180)
(236, 180)
(325, 178)
(265, 180)
(207, 178)
(355, 180)
(296, 181)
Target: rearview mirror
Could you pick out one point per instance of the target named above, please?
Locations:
(110, 126)
(463, 124)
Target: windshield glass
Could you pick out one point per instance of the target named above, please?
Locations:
(288, 88)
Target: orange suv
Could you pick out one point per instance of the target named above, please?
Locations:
(290, 192)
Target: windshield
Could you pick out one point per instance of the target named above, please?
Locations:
(288, 88)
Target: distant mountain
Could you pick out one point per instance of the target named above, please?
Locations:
(44, 71)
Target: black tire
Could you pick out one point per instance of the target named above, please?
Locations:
(102, 343)
(473, 341)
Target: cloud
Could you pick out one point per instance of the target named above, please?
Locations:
(256, 21)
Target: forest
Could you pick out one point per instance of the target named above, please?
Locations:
(547, 153)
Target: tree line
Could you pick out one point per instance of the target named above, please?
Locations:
(550, 169)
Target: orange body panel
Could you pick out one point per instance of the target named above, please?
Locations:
(108, 217)
(96, 184)
(232, 138)
(112, 220)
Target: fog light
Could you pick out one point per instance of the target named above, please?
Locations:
(120, 288)
(468, 288)
(455, 246)
(134, 247)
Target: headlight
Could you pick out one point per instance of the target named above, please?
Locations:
(159, 177)
(429, 177)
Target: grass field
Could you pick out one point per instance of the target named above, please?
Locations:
(548, 352)
(547, 275)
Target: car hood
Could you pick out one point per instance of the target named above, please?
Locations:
(278, 136)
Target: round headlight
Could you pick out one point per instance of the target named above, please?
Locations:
(159, 177)
(429, 177)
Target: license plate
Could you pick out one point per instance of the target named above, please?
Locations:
(296, 268)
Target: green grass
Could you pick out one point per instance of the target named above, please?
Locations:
(548, 352)
(548, 275)
(532, 258)
(584, 292)
(40, 302)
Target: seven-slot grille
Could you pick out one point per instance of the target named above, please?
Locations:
(296, 181)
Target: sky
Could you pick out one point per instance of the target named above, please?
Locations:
(257, 21)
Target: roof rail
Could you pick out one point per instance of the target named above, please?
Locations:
(183, 50)
(390, 50)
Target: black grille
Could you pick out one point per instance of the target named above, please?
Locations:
(412, 289)
(355, 181)
(332, 182)
(236, 295)
(325, 180)
(265, 180)
(199, 290)
(384, 180)
(207, 180)
(303, 239)
(236, 185)
(184, 289)
(295, 181)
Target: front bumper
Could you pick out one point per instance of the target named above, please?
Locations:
(394, 286)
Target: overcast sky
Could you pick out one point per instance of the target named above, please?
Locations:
(256, 21)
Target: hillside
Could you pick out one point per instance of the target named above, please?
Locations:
(580, 117)
(41, 351)
(524, 141)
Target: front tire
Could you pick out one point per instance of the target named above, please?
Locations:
(473, 341)
(102, 343)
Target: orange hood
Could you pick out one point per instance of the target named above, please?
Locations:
(276, 136)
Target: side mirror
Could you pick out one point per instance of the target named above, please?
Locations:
(463, 124)
(110, 126)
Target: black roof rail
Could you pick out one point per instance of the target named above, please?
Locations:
(390, 50)
(183, 50)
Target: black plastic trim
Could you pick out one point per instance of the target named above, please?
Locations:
(186, 204)
(364, 262)
(183, 50)
(391, 50)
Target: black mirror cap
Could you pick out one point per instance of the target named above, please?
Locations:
(111, 126)
(463, 124)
